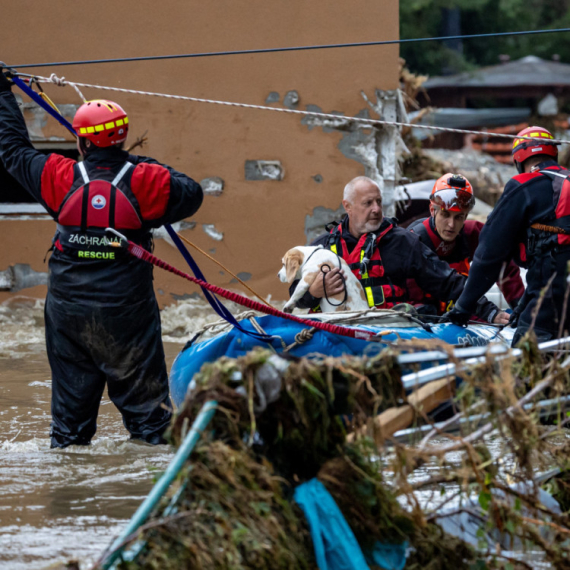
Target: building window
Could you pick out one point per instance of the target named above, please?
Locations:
(14, 199)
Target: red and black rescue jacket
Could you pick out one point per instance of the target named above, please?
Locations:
(528, 199)
(459, 254)
(385, 262)
(109, 188)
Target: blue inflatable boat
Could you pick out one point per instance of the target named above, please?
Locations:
(288, 335)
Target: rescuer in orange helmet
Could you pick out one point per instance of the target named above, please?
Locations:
(531, 223)
(102, 319)
(454, 239)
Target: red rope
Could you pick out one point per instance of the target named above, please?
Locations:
(141, 253)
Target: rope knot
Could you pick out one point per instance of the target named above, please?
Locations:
(58, 80)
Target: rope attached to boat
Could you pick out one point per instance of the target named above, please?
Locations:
(141, 253)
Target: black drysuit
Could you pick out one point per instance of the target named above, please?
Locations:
(101, 314)
(527, 199)
(404, 257)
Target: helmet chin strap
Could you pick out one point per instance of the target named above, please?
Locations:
(519, 167)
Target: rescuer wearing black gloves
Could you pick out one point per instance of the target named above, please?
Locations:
(101, 314)
(531, 223)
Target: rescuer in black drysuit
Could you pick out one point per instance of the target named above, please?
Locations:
(101, 315)
(530, 223)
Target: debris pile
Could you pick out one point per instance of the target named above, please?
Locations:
(284, 421)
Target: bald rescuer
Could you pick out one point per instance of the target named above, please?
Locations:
(454, 239)
(101, 314)
(380, 254)
(531, 223)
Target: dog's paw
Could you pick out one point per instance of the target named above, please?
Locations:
(288, 308)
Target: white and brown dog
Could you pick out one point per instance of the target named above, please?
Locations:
(305, 263)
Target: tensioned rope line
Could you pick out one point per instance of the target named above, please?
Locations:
(289, 49)
(341, 119)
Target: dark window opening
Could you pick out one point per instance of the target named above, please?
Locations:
(11, 192)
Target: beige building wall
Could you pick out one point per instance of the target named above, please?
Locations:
(258, 219)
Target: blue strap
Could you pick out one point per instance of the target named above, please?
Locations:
(212, 299)
(34, 96)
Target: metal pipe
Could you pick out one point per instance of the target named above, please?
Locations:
(542, 404)
(152, 499)
(416, 379)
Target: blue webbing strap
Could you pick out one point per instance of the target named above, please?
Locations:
(35, 97)
(212, 299)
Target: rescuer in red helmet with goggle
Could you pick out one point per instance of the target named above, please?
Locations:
(454, 239)
(530, 223)
(101, 314)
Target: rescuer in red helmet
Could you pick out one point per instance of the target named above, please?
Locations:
(101, 314)
(530, 223)
(454, 239)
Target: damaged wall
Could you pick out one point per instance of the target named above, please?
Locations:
(264, 173)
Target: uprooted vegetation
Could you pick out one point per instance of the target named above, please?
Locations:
(234, 498)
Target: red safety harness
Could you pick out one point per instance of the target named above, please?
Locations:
(91, 205)
(366, 264)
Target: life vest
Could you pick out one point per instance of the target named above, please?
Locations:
(91, 206)
(366, 264)
(553, 233)
(442, 249)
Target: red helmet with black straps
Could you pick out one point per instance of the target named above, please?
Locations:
(102, 122)
(539, 143)
(453, 192)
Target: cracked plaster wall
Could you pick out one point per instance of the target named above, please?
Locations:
(258, 219)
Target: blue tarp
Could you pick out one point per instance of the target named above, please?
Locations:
(235, 343)
(336, 547)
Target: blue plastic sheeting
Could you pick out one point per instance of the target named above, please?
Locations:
(235, 343)
(336, 547)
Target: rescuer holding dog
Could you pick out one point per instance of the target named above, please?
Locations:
(101, 315)
(382, 256)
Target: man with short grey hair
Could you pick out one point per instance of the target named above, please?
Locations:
(380, 254)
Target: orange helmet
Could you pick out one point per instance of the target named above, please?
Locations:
(102, 122)
(525, 148)
(453, 192)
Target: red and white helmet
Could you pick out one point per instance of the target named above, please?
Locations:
(102, 122)
(453, 192)
(539, 144)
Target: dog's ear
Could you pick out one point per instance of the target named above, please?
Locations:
(293, 260)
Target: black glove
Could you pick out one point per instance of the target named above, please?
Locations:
(457, 316)
(514, 318)
(5, 83)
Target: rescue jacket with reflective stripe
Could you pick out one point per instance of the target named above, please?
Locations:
(366, 264)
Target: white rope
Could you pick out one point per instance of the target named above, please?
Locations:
(61, 82)
(336, 119)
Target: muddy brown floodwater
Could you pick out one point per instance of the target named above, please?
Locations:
(57, 505)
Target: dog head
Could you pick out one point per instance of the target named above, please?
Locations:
(292, 262)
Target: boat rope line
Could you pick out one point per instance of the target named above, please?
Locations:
(292, 48)
(142, 254)
(335, 119)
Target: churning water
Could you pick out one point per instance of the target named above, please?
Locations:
(57, 505)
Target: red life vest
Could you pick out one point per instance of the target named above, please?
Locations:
(542, 239)
(443, 249)
(366, 264)
(91, 206)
